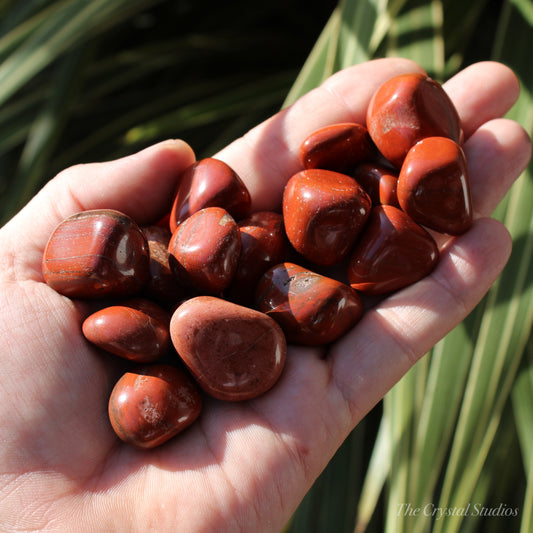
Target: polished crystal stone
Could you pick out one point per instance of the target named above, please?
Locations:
(434, 188)
(205, 250)
(96, 254)
(235, 353)
(312, 309)
(136, 329)
(209, 183)
(324, 212)
(338, 147)
(407, 108)
(152, 404)
(393, 252)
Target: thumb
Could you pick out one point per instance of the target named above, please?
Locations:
(140, 185)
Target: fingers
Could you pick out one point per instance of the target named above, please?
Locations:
(481, 92)
(390, 338)
(497, 153)
(140, 185)
(267, 156)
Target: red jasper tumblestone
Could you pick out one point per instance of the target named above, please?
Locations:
(312, 309)
(264, 244)
(324, 212)
(204, 250)
(338, 147)
(393, 252)
(407, 108)
(380, 182)
(152, 404)
(162, 285)
(136, 329)
(209, 183)
(434, 188)
(233, 352)
(96, 254)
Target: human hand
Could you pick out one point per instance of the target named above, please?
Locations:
(241, 466)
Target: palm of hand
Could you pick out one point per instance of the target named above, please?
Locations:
(244, 465)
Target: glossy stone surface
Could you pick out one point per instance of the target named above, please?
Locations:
(324, 212)
(96, 254)
(162, 285)
(434, 188)
(393, 252)
(234, 353)
(408, 108)
(136, 329)
(209, 183)
(264, 244)
(152, 404)
(310, 308)
(379, 182)
(338, 147)
(205, 249)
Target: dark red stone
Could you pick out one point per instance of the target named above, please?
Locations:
(379, 182)
(339, 147)
(434, 188)
(96, 254)
(209, 183)
(310, 308)
(162, 285)
(393, 252)
(407, 108)
(234, 353)
(136, 329)
(324, 212)
(264, 244)
(150, 405)
(205, 249)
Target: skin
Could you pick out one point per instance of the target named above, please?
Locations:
(245, 466)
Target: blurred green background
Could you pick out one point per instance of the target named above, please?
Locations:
(90, 80)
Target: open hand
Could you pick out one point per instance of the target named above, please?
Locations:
(241, 466)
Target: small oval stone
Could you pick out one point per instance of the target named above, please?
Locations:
(324, 212)
(205, 249)
(162, 285)
(137, 329)
(264, 244)
(392, 253)
(312, 309)
(234, 353)
(379, 182)
(209, 183)
(434, 186)
(406, 109)
(338, 147)
(96, 254)
(152, 404)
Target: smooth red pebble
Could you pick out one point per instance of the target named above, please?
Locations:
(379, 182)
(136, 329)
(406, 109)
(152, 404)
(264, 244)
(209, 183)
(162, 285)
(312, 309)
(234, 353)
(393, 252)
(338, 147)
(434, 186)
(96, 254)
(205, 249)
(324, 212)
